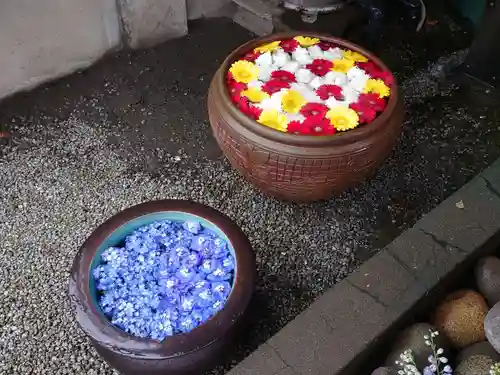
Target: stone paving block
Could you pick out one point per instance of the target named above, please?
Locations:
(327, 336)
(42, 40)
(491, 177)
(383, 278)
(466, 220)
(148, 22)
(263, 361)
(424, 257)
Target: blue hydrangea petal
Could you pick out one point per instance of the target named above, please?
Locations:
(192, 226)
(198, 243)
(209, 266)
(192, 260)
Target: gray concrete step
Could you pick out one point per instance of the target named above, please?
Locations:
(257, 15)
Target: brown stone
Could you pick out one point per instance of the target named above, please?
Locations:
(487, 273)
(482, 348)
(477, 365)
(461, 317)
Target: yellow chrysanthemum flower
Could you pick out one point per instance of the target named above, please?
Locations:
(255, 95)
(343, 118)
(244, 71)
(377, 86)
(270, 47)
(342, 65)
(306, 41)
(292, 101)
(273, 119)
(354, 56)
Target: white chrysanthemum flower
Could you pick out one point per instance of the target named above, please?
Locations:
(358, 84)
(309, 94)
(273, 102)
(281, 58)
(357, 78)
(356, 72)
(315, 52)
(332, 103)
(264, 60)
(302, 56)
(304, 76)
(333, 53)
(295, 117)
(257, 84)
(316, 82)
(350, 95)
(291, 66)
(265, 73)
(336, 78)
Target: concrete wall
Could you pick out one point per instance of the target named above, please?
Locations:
(44, 39)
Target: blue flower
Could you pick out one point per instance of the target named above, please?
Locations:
(192, 226)
(168, 278)
(221, 288)
(200, 242)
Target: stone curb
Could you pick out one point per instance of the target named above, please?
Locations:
(340, 332)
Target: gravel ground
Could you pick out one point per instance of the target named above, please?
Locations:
(134, 128)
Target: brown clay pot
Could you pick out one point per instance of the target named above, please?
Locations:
(299, 167)
(183, 354)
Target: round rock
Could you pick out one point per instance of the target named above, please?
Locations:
(384, 371)
(477, 365)
(413, 339)
(461, 317)
(487, 274)
(481, 348)
(492, 327)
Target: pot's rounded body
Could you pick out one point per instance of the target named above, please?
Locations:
(299, 167)
(184, 354)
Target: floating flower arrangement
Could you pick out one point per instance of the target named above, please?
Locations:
(308, 86)
(169, 277)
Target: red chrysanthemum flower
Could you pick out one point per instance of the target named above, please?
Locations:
(366, 114)
(318, 125)
(283, 75)
(239, 101)
(368, 66)
(325, 92)
(274, 85)
(252, 111)
(244, 105)
(376, 73)
(252, 56)
(289, 45)
(235, 88)
(320, 67)
(325, 46)
(314, 109)
(372, 101)
(385, 76)
(295, 127)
